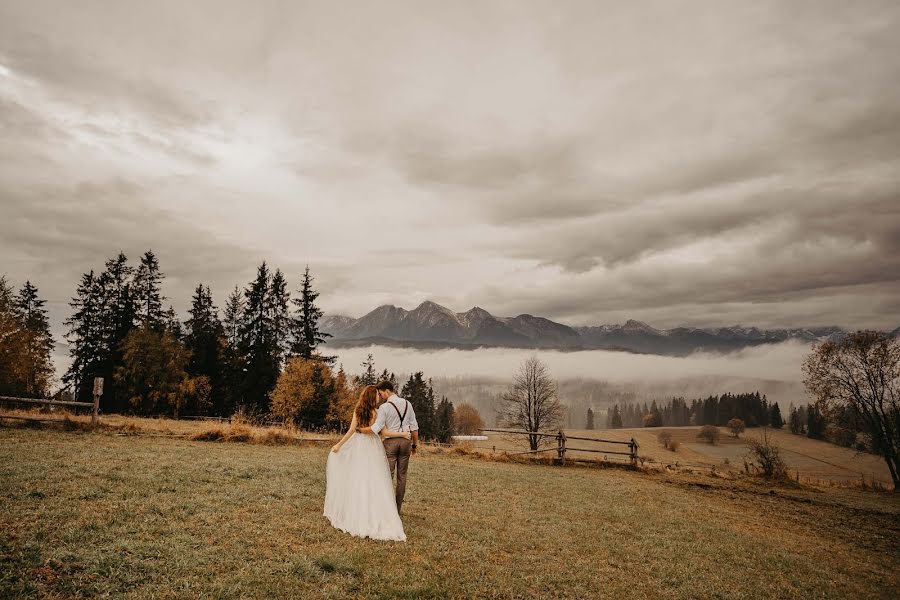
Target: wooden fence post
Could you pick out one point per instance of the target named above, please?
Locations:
(632, 447)
(98, 391)
(561, 448)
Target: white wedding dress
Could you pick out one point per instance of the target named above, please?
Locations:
(359, 492)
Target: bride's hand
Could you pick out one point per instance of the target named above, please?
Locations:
(336, 448)
(407, 435)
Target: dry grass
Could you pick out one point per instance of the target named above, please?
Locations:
(236, 430)
(95, 514)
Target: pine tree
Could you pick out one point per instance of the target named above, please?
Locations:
(148, 296)
(590, 419)
(37, 342)
(234, 366)
(171, 324)
(85, 336)
(234, 316)
(307, 335)
(368, 376)
(616, 421)
(443, 421)
(117, 320)
(258, 344)
(797, 421)
(421, 396)
(775, 416)
(389, 377)
(315, 413)
(815, 422)
(205, 339)
(280, 317)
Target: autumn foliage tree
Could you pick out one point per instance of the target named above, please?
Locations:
(736, 427)
(709, 433)
(467, 420)
(153, 378)
(340, 413)
(35, 343)
(307, 393)
(9, 328)
(26, 344)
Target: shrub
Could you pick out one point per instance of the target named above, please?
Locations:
(709, 433)
(766, 457)
(665, 438)
(736, 426)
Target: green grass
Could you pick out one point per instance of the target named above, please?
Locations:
(95, 514)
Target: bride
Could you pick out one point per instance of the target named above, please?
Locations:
(359, 494)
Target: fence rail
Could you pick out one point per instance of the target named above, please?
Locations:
(94, 406)
(561, 447)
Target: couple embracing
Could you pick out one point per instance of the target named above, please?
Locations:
(360, 497)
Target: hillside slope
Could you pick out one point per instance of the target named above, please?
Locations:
(148, 517)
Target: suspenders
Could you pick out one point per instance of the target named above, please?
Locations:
(405, 409)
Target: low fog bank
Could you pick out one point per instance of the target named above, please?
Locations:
(597, 378)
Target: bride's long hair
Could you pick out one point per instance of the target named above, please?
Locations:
(368, 402)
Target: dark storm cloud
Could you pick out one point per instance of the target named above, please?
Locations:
(679, 162)
(53, 234)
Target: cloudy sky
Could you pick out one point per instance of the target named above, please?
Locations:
(697, 163)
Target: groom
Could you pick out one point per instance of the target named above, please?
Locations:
(396, 414)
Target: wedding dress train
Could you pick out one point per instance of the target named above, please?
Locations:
(359, 493)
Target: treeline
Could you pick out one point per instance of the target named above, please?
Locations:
(26, 344)
(311, 395)
(155, 364)
(752, 408)
(260, 355)
(843, 426)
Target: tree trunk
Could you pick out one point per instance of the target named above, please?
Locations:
(894, 468)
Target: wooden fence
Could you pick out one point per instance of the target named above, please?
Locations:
(94, 406)
(562, 444)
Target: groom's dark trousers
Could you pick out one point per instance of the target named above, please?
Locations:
(398, 451)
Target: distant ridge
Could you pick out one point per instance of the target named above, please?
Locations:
(431, 325)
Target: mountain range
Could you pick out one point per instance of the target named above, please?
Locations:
(435, 326)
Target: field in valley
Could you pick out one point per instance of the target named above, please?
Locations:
(90, 514)
(814, 459)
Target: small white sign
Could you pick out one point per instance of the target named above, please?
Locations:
(98, 386)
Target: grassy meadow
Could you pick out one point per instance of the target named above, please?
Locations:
(100, 514)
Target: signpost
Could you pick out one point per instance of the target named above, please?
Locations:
(98, 391)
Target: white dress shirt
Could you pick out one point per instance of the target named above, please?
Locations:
(388, 417)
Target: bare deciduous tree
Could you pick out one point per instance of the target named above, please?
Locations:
(531, 403)
(766, 456)
(861, 372)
